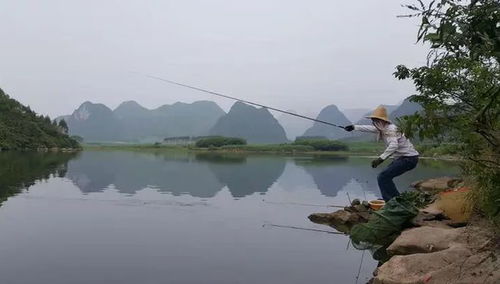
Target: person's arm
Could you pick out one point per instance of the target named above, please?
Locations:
(366, 128)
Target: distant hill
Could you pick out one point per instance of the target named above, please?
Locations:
(329, 114)
(294, 126)
(355, 114)
(181, 119)
(94, 122)
(131, 122)
(406, 108)
(256, 125)
(21, 128)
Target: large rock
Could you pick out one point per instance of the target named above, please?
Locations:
(422, 267)
(337, 217)
(341, 220)
(435, 185)
(467, 255)
(432, 217)
(457, 265)
(423, 240)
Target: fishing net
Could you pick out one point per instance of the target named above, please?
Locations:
(385, 225)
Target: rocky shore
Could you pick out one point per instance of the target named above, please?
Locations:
(441, 244)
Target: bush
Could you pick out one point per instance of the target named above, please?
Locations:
(219, 141)
(459, 90)
(322, 144)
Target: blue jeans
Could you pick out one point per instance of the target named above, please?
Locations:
(398, 167)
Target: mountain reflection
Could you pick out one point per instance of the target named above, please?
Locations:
(332, 174)
(201, 175)
(21, 170)
(329, 174)
(130, 172)
(245, 175)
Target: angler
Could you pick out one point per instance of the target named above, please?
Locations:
(398, 147)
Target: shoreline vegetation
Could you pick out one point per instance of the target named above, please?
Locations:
(23, 129)
(368, 149)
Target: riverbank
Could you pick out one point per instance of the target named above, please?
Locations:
(363, 149)
(443, 242)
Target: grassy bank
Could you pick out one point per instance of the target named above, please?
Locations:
(354, 148)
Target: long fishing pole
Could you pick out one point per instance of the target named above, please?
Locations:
(302, 204)
(245, 101)
(303, 229)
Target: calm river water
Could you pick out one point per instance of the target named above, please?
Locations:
(130, 217)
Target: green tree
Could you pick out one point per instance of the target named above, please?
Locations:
(459, 88)
(22, 129)
(64, 126)
(77, 138)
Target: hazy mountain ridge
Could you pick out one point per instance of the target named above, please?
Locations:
(132, 122)
(331, 114)
(256, 125)
(294, 126)
(355, 114)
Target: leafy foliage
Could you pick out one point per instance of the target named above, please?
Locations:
(64, 126)
(22, 129)
(323, 144)
(417, 198)
(219, 141)
(459, 88)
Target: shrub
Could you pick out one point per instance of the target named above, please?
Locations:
(459, 89)
(322, 144)
(219, 141)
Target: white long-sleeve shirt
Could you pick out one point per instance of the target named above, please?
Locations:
(397, 143)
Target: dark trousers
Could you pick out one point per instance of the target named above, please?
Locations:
(398, 167)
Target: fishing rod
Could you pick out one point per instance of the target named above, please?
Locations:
(302, 204)
(303, 229)
(244, 101)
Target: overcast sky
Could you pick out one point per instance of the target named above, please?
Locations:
(300, 55)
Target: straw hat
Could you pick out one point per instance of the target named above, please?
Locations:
(381, 113)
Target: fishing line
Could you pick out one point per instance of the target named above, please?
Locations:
(302, 204)
(303, 229)
(244, 101)
(360, 265)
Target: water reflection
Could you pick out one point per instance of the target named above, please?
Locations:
(156, 237)
(203, 175)
(130, 172)
(330, 174)
(246, 175)
(20, 171)
(333, 174)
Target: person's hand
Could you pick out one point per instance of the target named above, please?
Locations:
(377, 162)
(349, 128)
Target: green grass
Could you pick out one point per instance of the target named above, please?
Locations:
(372, 148)
(270, 148)
(355, 149)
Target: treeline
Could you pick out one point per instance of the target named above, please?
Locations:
(301, 144)
(22, 129)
